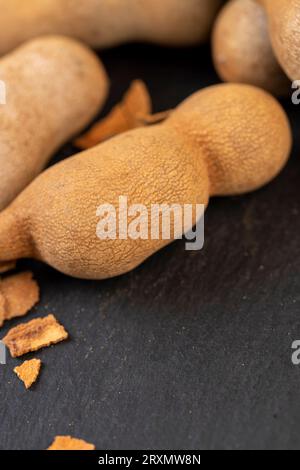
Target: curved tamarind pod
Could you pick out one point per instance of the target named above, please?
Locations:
(106, 23)
(224, 140)
(54, 87)
(242, 49)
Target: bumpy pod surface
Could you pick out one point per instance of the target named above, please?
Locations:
(284, 28)
(224, 140)
(54, 87)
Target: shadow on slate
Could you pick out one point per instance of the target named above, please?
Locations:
(191, 350)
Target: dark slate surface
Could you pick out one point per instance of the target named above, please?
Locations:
(191, 350)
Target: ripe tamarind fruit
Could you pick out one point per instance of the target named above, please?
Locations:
(224, 140)
(242, 49)
(284, 28)
(54, 87)
(106, 23)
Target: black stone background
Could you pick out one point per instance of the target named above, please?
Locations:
(191, 350)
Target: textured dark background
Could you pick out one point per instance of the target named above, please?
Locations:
(191, 350)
